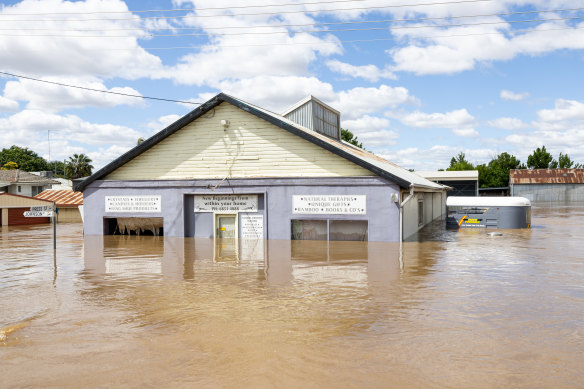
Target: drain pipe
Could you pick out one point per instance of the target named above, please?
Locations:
(401, 216)
(401, 226)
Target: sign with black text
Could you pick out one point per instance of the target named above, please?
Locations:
(329, 204)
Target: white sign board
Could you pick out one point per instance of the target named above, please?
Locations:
(133, 204)
(38, 213)
(252, 226)
(42, 208)
(329, 204)
(226, 203)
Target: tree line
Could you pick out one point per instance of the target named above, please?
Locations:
(495, 174)
(77, 166)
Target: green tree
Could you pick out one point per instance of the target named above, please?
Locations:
(9, 166)
(79, 165)
(496, 173)
(26, 159)
(349, 137)
(540, 159)
(460, 163)
(58, 167)
(565, 162)
(140, 140)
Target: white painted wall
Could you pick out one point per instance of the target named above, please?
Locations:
(250, 147)
(434, 208)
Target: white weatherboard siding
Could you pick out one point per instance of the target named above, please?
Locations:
(250, 147)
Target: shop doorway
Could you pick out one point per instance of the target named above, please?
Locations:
(226, 237)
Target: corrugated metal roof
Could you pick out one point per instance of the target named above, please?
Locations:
(62, 197)
(369, 161)
(546, 176)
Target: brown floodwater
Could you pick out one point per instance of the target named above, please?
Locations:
(456, 309)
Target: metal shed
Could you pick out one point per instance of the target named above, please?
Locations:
(549, 185)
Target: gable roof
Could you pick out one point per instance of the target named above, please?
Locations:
(365, 159)
(62, 197)
(18, 176)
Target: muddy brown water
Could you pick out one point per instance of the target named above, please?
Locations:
(463, 309)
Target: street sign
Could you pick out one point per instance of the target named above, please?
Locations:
(40, 211)
(38, 214)
(42, 208)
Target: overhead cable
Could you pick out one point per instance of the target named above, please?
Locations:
(138, 18)
(185, 9)
(98, 90)
(303, 24)
(299, 31)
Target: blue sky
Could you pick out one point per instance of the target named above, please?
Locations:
(418, 81)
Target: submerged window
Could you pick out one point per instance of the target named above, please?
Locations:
(354, 230)
(420, 213)
(309, 230)
(134, 226)
(347, 230)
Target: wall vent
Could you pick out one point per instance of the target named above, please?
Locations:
(317, 116)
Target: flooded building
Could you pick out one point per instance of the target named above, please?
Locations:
(230, 169)
(67, 202)
(13, 207)
(24, 183)
(555, 185)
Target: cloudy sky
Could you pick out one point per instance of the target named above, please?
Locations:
(418, 81)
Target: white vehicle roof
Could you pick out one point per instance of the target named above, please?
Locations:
(485, 201)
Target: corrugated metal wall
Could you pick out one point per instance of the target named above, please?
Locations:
(316, 117)
(302, 115)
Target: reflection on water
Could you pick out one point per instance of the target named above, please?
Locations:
(466, 309)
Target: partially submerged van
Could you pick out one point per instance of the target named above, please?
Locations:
(488, 212)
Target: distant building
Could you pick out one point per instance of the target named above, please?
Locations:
(24, 183)
(13, 207)
(67, 203)
(556, 185)
(462, 182)
(230, 169)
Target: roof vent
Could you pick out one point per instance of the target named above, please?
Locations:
(317, 116)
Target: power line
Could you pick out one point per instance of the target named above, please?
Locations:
(185, 9)
(137, 18)
(301, 31)
(98, 90)
(303, 24)
(322, 43)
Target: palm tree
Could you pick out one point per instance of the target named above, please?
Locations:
(79, 165)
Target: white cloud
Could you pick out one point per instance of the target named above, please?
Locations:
(460, 121)
(512, 96)
(105, 155)
(371, 131)
(449, 50)
(435, 157)
(32, 125)
(368, 72)
(162, 122)
(97, 55)
(506, 123)
(50, 97)
(8, 105)
(563, 110)
(279, 93)
(359, 101)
